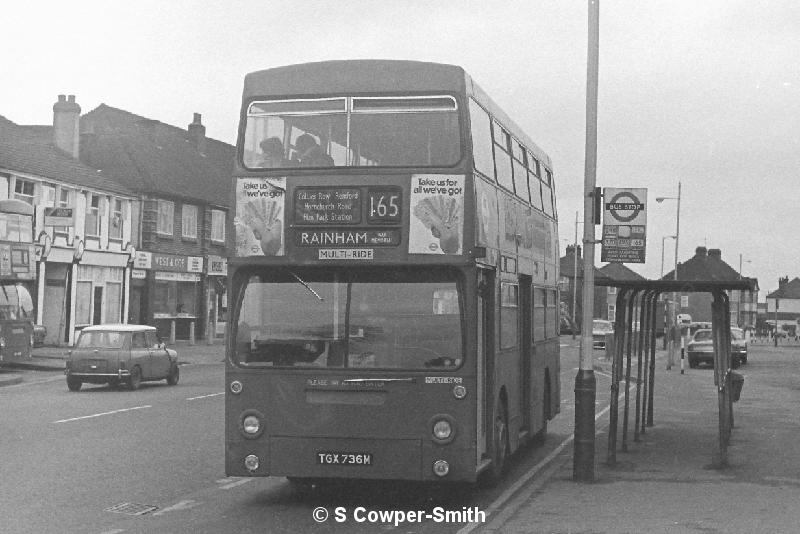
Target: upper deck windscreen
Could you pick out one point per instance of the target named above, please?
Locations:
(379, 131)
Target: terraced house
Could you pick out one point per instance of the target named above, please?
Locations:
(130, 220)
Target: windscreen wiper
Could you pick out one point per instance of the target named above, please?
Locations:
(306, 285)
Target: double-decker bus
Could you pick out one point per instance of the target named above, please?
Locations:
(17, 273)
(392, 276)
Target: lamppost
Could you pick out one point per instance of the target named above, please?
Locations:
(671, 353)
(662, 252)
(575, 275)
(741, 313)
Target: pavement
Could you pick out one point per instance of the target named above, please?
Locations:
(52, 359)
(670, 481)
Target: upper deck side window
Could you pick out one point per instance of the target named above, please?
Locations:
(386, 131)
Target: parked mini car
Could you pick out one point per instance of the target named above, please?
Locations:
(116, 354)
(600, 328)
(701, 348)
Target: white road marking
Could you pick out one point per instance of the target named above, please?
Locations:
(34, 382)
(206, 396)
(115, 531)
(237, 483)
(101, 414)
(182, 505)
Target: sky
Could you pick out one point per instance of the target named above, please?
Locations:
(705, 93)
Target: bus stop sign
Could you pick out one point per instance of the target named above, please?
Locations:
(624, 225)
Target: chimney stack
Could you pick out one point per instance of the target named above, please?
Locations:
(197, 133)
(66, 125)
(782, 282)
(715, 253)
(700, 251)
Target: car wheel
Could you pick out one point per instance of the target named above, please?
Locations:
(135, 379)
(735, 363)
(174, 375)
(692, 363)
(744, 360)
(74, 384)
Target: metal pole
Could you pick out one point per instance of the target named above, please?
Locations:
(575, 276)
(585, 382)
(671, 353)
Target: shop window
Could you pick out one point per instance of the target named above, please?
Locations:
(189, 221)
(65, 200)
(113, 305)
(166, 215)
(83, 303)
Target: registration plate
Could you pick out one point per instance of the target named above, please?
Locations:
(344, 458)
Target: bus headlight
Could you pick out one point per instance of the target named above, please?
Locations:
(441, 468)
(2, 342)
(251, 424)
(459, 392)
(236, 387)
(443, 428)
(251, 462)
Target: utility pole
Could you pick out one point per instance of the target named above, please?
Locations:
(575, 276)
(585, 382)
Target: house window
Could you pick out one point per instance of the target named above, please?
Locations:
(115, 219)
(166, 215)
(612, 290)
(23, 190)
(217, 225)
(612, 312)
(92, 225)
(64, 201)
(189, 221)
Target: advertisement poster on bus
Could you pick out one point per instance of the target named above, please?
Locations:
(259, 219)
(624, 225)
(437, 214)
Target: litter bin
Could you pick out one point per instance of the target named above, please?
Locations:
(737, 382)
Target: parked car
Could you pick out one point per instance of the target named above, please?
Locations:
(39, 333)
(116, 354)
(601, 328)
(701, 348)
(699, 325)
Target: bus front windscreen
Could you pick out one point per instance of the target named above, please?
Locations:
(321, 319)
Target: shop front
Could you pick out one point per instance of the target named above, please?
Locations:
(169, 294)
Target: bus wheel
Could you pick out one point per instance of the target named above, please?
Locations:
(74, 384)
(135, 379)
(500, 448)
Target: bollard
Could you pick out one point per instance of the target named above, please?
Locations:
(737, 383)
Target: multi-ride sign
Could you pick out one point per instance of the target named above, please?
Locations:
(624, 225)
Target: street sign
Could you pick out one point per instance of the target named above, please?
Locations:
(624, 225)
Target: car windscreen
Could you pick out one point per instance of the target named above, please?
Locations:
(703, 335)
(101, 340)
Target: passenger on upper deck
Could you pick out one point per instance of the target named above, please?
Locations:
(273, 154)
(310, 153)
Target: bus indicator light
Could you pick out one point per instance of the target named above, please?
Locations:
(441, 468)
(251, 462)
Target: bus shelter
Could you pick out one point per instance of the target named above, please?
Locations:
(635, 345)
